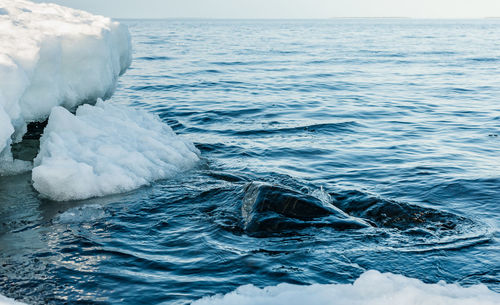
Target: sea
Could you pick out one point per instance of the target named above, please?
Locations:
(395, 121)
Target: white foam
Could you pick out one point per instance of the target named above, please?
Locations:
(106, 149)
(54, 56)
(5, 300)
(371, 288)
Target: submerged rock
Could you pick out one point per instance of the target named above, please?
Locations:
(272, 208)
(392, 214)
(275, 209)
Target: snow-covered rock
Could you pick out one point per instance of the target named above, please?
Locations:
(371, 288)
(53, 56)
(106, 149)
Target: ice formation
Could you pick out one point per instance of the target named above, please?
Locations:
(371, 288)
(53, 56)
(106, 149)
(8, 301)
(53, 59)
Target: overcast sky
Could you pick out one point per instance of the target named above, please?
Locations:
(287, 8)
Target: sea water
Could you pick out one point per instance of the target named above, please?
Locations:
(396, 110)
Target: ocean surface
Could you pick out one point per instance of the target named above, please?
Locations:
(394, 121)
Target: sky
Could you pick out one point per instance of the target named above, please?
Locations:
(286, 8)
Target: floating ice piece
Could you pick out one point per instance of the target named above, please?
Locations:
(371, 288)
(86, 213)
(54, 56)
(106, 149)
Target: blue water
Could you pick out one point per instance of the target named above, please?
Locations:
(402, 112)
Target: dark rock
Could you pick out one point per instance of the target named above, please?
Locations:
(35, 130)
(274, 208)
(28, 148)
(392, 214)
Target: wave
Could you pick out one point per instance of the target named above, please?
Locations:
(154, 58)
(324, 128)
(484, 59)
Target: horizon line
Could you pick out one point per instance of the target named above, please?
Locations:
(302, 18)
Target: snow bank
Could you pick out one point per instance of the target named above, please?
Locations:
(371, 288)
(5, 300)
(106, 149)
(54, 56)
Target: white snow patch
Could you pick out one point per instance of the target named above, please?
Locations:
(371, 288)
(106, 149)
(54, 56)
(8, 301)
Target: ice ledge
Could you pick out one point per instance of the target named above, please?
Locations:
(106, 149)
(51, 56)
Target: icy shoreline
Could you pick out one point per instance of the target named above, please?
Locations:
(53, 56)
(371, 288)
(53, 61)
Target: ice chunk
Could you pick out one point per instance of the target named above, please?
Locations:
(5, 300)
(106, 149)
(371, 288)
(54, 56)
